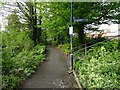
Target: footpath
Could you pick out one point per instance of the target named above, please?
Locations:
(52, 73)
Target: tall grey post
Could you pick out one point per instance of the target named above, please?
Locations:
(71, 37)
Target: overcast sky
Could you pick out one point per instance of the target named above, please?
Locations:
(112, 27)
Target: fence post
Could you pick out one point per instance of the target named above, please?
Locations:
(85, 49)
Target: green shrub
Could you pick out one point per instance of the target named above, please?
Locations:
(21, 66)
(64, 47)
(10, 82)
(101, 67)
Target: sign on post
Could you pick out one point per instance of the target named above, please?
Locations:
(71, 30)
(79, 20)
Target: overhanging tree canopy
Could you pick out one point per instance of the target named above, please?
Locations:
(96, 12)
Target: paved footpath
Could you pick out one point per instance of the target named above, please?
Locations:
(52, 73)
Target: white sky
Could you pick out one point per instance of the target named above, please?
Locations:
(112, 27)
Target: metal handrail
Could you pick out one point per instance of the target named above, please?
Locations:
(90, 42)
(90, 56)
(97, 43)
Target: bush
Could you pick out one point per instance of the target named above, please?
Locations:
(100, 68)
(64, 47)
(9, 82)
(21, 66)
(19, 58)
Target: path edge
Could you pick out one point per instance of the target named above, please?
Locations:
(77, 80)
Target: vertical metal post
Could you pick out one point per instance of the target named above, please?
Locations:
(71, 38)
(71, 17)
(85, 49)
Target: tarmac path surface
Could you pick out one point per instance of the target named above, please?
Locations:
(52, 73)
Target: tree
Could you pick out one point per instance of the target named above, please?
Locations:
(56, 22)
(119, 36)
(95, 12)
(13, 22)
(15, 38)
(29, 10)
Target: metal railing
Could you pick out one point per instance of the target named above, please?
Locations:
(86, 47)
(84, 50)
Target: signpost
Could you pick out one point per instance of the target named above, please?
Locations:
(79, 20)
(73, 19)
(71, 37)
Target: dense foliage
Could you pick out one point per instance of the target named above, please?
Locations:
(19, 58)
(56, 20)
(100, 68)
(33, 23)
(21, 66)
(64, 47)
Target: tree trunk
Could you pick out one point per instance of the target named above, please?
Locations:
(119, 36)
(32, 23)
(39, 39)
(35, 25)
(81, 34)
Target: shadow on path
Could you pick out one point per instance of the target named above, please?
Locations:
(51, 73)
